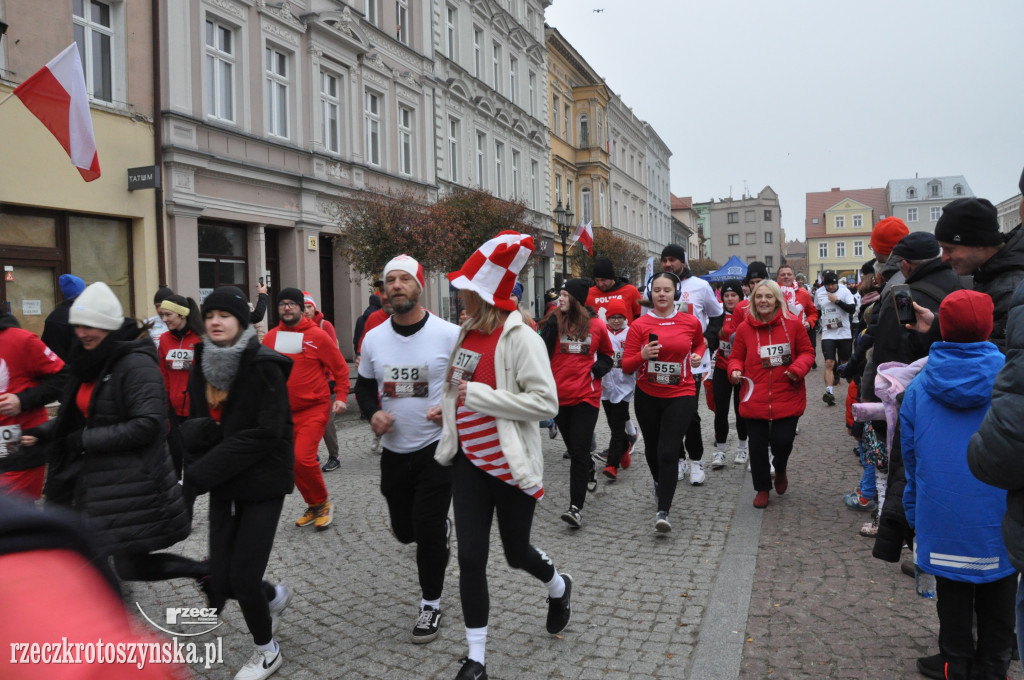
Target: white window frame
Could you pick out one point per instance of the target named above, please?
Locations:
(534, 189)
(566, 119)
(556, 105)
(276, 87)
(533, 93)
(330, 102)
(499, 175)
(858, 221)
(402, 21)
(734, 239)
(481, 159)
(858, 248)
(91, 32)
(840, 248)
(601, 205)
(374, 143)
(453, 149)
(822, 249)
(513, 79)
(371, 13)
(840, 221)
(496, 64)
(586, 207)
(911, 214)
(558, 188)
(218, 61)
(451, 21)
(478, 55)
(768, 237)
(934, 213)
(405, 146)
(516, 159)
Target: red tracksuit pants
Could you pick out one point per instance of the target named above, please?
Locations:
(310, 425)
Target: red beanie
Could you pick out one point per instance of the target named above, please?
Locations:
(966, 316)
(886, 234)
(615, 306)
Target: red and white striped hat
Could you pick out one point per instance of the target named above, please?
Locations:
(492, 270)
(307, 299)
(404, 263)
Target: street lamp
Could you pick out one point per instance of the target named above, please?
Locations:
(563, 218)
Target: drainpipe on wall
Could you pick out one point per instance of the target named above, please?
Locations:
(158, 147)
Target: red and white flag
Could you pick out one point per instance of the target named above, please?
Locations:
(57, 96)
(585, 235)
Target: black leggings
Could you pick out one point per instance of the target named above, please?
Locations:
(241, 538)
(477, 496)
(617, 415)
(723, 389)
(778, 434)
(663, 422)
(957, 604)
(577, 424)
(418, 491)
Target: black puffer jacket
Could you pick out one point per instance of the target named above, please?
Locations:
(121, 475)
(995, 455)
(998, 278)
(250, 455)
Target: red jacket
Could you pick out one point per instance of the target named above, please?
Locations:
(729, 325)
(629, 295)
(775, 396)
(307, 383)
(679, 336)
(571, 363)
(176, 356)
(24, 362)
(372, 321)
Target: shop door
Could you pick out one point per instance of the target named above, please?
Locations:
(29, 291)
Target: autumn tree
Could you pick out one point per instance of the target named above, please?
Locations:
(463, 219)
(704, 266)
(627, 257)
(377, 226)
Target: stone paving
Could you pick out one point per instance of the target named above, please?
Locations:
(731, 592)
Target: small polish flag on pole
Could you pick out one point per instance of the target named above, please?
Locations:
(56, 94)
(585, 235)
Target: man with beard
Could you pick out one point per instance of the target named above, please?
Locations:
(799, 301)
(401, 375)
(696, 297)
(314, 355)
(836, 304)
(607, 287)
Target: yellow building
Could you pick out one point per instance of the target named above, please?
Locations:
(839, 227)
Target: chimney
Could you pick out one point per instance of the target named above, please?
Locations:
(835, 188)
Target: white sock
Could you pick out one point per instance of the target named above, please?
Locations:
(742, 445)
(720, 447)
(829, 389)
(477, 640)
(436, 604)
(630, 428)
(269, 647)
(556, 586)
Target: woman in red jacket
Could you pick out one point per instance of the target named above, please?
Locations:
(662, 348)
(581, 354)
(176, 351)
(772, 353)
(723, 390)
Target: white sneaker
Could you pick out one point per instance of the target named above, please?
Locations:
(377, 447)
(748, 464)
(718, 461)
(260, 665)
(741, 457)
(684, 469)
(282, 598)
(697, 473)
(772, 465)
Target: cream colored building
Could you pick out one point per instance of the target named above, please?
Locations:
(51, 221)
(838, 229)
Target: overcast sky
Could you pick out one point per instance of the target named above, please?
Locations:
(813, 94)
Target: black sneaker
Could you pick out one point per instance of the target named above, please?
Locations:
(602, 456)
(572, 517)
(471, 670)
(331, 465)
(560, 609)
(829, 398)
(427, 625)
(932, 666)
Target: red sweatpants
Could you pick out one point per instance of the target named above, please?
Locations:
(26, 482)
(310, 425)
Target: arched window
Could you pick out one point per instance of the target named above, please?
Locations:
(584, 140)
(911, 192)
(958, 190)
(586, 209)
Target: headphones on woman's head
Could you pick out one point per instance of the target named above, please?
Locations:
(671, 275)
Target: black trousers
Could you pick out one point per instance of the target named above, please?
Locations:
(418, 491)
(478, 496)
(617, 416)
(694, 440)
(663, 422)
(777, 434)
(723, 391)
(577, 423)
(241, 538)
(993, 603)
(158, 567)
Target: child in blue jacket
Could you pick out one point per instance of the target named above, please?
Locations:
(957, 518)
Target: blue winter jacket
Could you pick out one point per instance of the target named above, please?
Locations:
(957, 517)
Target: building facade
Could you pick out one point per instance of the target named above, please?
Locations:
(659, 195)
(838, 228)
(51, 221)
(703, 211)
(683, 212)
(1008, 213)
(627, 144)
(919, 201)
(749, 228)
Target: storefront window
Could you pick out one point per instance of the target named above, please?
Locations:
(222, 257)
(99, 251)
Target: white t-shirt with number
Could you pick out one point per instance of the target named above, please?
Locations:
(834, 321)
(410, 373)
(699, 299)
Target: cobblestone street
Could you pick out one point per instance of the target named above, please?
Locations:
(731, 592)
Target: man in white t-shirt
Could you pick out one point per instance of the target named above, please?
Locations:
(697, 298)
(835, 303)
(401, 374)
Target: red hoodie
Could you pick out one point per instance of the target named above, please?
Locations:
(24, 361)
(307, 383)
(176, 356)
(786, 348)
(571, 364)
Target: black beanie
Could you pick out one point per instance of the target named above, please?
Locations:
(578, 288)
(603, 268)
(674, 250)
(868, 267)
(917, 245)
(231, 300)
(733, 285)
(756, 270)
(293, 294)
(162, 294)
(829, 277)
(969, 222)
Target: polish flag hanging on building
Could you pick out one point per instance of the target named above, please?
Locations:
(585, 235)
(57, 96)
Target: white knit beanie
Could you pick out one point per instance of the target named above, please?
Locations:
(97, 307)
